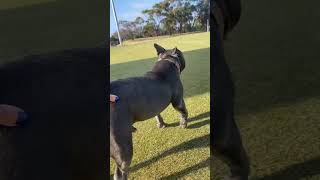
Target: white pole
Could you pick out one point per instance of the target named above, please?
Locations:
(116, 19)
(208, 20)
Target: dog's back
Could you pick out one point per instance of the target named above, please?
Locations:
(64, 95)
(155, 89)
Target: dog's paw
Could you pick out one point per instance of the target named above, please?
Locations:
(183, 125)
(162, 125)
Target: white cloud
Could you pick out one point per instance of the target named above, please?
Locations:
(130, 15)
(139, 5)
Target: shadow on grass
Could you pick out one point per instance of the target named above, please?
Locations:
(279, 62)
(199, 142)
(195, 77)
(195, 118)
(37, 28)
(188, 170)
(296, 172)
(275, 61)
(199, 124)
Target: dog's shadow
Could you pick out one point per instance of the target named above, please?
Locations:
(180, 174)
(305, 169)
(195, 118)
(199, 142)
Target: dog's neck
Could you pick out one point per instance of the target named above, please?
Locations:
(219, 18)
(170, 58)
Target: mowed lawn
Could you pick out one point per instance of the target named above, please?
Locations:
(275, 62)
(39, 26)
(172, 152)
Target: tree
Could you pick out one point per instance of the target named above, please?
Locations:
(139, 23)
(127, 29)
(114, 40)
(150, 27)
(202, 13)
(164, 10)
(168, 17)
(182, 11)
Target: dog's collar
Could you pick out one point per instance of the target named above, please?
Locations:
(172, 61)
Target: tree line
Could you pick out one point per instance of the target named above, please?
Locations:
(166, 18)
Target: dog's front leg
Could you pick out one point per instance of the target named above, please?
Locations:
(160, 122)
(181, 108)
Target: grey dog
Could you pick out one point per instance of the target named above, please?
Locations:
(226, 141)
(142, 98)
(62, 92)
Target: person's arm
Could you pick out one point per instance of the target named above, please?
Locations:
(114, 98)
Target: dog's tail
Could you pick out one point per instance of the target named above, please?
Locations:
(114, 98)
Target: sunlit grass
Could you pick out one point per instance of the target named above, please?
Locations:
(172, 152)
(275, 65)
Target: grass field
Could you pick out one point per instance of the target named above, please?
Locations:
(172, 152)
(37, 26)
(275, 59)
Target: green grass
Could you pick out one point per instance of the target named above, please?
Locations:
(37, 26)
(172, 152)
(275, 61)
(10, 4)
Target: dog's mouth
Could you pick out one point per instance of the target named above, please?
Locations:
(173, 58)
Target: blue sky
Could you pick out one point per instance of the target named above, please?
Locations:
(129, 10)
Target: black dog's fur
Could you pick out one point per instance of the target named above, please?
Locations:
(226, 141)
(142, 98)
(64, 94)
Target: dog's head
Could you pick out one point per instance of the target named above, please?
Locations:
(174, 55)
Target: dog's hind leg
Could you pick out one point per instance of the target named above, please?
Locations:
(160, 122)
(180, 106)
(123, 159)
(121, 146)
(228, 146)
(121, 172)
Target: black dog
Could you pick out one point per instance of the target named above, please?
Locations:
(226, 139)
(142, 98)
(64, 95)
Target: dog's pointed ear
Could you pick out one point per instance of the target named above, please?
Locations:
(159, 49)
(174, 50)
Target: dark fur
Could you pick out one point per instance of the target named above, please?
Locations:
(231, 10)
(142, 98)
(226, 139)
(64, 95)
